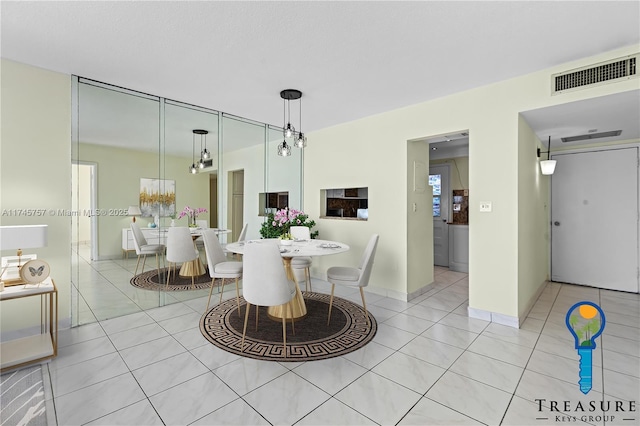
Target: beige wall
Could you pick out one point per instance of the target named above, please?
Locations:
(35, 173)
(119, 173)
(533, 220)
(379, 143)
(459, 176)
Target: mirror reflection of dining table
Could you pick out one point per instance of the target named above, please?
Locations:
(196, 268)
(303, 248)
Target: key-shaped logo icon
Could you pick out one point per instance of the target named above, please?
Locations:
(585, 321)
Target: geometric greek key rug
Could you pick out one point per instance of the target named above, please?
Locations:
(313, 339)
(22, 397)
(151, 281)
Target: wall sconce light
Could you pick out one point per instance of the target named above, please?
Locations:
(548, 166)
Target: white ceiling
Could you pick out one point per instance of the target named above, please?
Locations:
(350, 59)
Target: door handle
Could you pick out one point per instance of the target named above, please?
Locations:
(556, 223)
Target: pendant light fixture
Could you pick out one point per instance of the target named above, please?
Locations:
(299, 140)
(193, 169)
(548, 166)
(204, 153)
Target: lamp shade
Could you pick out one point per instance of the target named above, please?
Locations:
(134, 211)
(23, 236)
(548, 167)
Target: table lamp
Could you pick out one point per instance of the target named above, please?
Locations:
(133, 212)
(19, 237)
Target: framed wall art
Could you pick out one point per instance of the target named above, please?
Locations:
(157, 197)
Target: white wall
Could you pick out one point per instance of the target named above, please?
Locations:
(379, 143)
(35, 173)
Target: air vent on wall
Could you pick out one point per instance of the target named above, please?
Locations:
(605, 72)
(592, 136)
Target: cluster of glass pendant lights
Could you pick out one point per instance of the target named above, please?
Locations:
(299, 139)
(284, 149)
(204, 152)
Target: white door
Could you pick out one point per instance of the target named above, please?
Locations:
(439, 180)
(594, 219)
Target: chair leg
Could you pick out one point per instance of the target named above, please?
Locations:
(364, 304)
(144, 259)
(166, 286)
(244, 330)
(308, 273)
(221, 291)
(137, 263)
(333, 286)
(210, 291)
(257, 312)
(293, 327)
(238, 296)
(284, 335)
(158, 264)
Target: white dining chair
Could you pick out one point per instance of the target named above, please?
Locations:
(265, 283)
(201, 224)
(180, 249)
(354, 277)
(219, 266)
(302, 262)
(241, 237)
(143, 248)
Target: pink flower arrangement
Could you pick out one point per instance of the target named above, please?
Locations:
(191, 213)
(278, 223)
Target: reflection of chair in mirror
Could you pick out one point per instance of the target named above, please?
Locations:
(143, 248)
(302, 262)
(242, 237)
(219, 267)
(180, 249)
(202, 224)
(265, 283)
(354, 277)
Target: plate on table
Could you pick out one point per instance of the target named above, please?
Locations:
(329, 245)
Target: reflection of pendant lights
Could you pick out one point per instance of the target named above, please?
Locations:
(193, 169)
(548, 166)
(299, 140)
(204, 152)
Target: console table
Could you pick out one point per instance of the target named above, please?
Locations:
(29, 350)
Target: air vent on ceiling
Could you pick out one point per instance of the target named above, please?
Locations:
(592, 136)
(605, 72)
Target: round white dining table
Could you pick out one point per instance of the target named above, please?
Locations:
(304, 248)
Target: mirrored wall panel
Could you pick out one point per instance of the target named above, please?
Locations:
(158, 163)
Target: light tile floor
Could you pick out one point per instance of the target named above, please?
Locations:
(428, 364)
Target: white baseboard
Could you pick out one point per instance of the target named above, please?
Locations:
(494, 317)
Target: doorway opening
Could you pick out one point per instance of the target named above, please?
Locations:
(449, 181)
(236, 203)
(84, 235)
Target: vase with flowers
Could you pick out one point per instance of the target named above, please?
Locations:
(192, 214)
(279, 223)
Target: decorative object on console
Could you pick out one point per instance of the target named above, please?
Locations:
(35, 271)
(19, 237)
(133, 212)
(299, 139)
(279, 223)
(157, 197)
